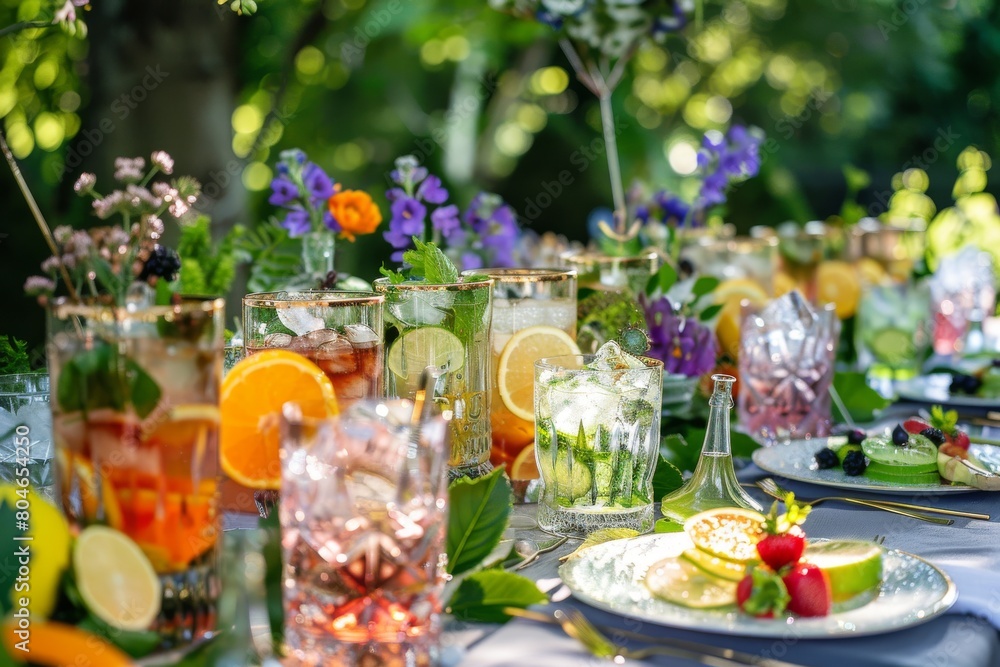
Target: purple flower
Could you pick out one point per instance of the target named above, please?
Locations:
(297, 222)
(684, 345)
(396, 239)
(470, 261)
(673, 208)
(330, 222)
(318, 184)
(408, 216)
(445, 219)
(392, 194)
(283, 191)
(430, 191)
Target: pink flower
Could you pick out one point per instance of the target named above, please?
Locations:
(162, 160)
(129, 170)
(39, 285)
(85, 183)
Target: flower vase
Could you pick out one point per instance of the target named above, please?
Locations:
(714, 482)
(318, 268)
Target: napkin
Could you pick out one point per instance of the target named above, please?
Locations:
(978, 592)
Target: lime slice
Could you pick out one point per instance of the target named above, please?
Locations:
(892, 346)
(428, 346)
(918, 451)
(846, 449)
(715, 566)
(567, 476)
(116, 581)
(678, 581)
(854, 567)
(727, 532)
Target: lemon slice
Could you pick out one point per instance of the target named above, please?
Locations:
(116, 581)
(525, 466)
(715, 566)
(678, 581)
(516, 365)
(838, 283)
(427, 346)
(727, 532)
(853, 566)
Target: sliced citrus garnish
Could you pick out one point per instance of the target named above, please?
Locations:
(727, 532)
(677, 580)
(61, 644)
(516, 365)
(852, 566)
(870, 271)
(731, 294)
(715, 566)
(837, 283)
(783, 283)
(116, 581)
(427, 346)
(252, 395)
(525, 466)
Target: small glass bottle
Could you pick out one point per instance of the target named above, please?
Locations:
(714, 482)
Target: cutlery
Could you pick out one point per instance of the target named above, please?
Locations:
(771, 488)
(529, 550)
(576, 625)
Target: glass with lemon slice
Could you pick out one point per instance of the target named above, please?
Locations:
(135, 401)
(534, 316)
(445, 327)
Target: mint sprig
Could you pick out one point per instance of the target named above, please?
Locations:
(429, 262)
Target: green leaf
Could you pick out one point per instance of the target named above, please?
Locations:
(704, 285)
(395, 277)
(136, 643)
(666, 478)
(102, 378)
(710, 312)
(664, 280)
(742, 444)
(861, 401)
(482, 596)
(13, 356)
(429, 262)
(477, 518)
(675, 449)
(603, 535)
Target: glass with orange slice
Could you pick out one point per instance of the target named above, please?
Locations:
(534, 316)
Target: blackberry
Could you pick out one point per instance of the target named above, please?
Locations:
(899, 436)
(855, 464)
(855, 436)
(964, 384)
(827, 458)
(163, 263)
(934, 435)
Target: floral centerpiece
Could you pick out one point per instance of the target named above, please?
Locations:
(485, 234)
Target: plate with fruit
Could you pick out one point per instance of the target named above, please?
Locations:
(735, 571)
(914, 456)
(975, 389)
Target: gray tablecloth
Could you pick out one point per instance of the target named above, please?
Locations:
(968, 550)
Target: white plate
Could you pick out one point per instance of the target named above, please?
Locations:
(611, 577)
(936, 388)
(796, 461)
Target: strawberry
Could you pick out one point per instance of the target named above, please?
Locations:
(915, 425)
(762, 593)
(785, 541)
(947, 422)
(809, 590)
(960, 439)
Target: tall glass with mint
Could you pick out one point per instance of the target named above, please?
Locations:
(597, 434)
(440, 320)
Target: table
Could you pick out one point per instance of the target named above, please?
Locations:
(969, 550)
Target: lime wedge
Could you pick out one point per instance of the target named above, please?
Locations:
(115, 578)
(715, 566)
(676, 580)
(428, 346)
(853, 566)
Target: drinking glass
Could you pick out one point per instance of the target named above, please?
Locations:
(341, 332)
(748, 258)
(597, 436)
(786, 364)
(599, 271)
(522, 299)
(26, 431)
(135, 417)
(892, 332)
(363, 519)
(894, 247)
(801, 250)
(445, 327)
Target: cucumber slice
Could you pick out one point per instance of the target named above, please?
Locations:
(918, 451)
(894, 347)
(912, 478)
(890, 470)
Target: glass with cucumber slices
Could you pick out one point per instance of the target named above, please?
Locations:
(597, 426)
(892, 332)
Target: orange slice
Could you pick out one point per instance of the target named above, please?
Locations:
(837, 283)
(59, 644)
(525, 466)
(731, 293)
(252, 395)
(516, 365)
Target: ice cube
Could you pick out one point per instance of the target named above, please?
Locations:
(319, 337)
(359, 334)
(335, 355)
(581, 401)
(279, 340)
(611, 357)
(300, 320)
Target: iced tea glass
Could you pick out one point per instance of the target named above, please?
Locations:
(786, 363)
(134, 397)
(363, 520)
(522, 299)
(445, 327)
(341, 332)
(597, 437)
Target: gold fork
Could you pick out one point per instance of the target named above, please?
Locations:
(576, 625)
(771, 488)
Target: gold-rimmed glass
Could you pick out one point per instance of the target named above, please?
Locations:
(595, 270)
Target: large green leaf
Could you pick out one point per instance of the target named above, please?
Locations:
(482, 596)
(666, 478)
(683, 449)
(861, 401)
(478, 514)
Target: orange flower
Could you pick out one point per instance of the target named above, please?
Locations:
(355, 212)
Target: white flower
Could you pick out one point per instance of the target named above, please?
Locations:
(129, 170)
(155, 226)
(118, 237)
(103, 208)
(51, 265)
(162, 160)
(62, 233)
(38, 285)
(85, 183)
